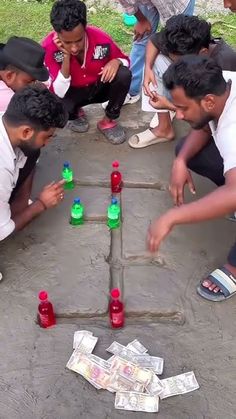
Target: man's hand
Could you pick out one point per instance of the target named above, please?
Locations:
(149, 77)
(59, 45)
(142, 27)
(180, 176)
(158, 230)
(52, 194)
(160, 102)
(109, 71)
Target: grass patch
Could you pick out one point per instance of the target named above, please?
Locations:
(31, 19)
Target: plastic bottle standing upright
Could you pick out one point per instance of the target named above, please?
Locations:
(77, 213)
(68, 176)
(113, 214)
(116, 178)
(116, 309)
(46, 317)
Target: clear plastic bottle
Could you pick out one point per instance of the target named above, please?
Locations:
(68, 176)
(116, 309)
(113, 214)
(77, 213)
(116, 178)
(46, 317)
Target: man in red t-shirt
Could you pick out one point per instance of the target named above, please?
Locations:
(86, 66)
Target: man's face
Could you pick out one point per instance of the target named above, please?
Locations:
(17, 80)
(230, 4)
(73, 41)
(31, 140)
(190, 110)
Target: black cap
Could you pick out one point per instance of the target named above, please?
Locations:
(26, 55)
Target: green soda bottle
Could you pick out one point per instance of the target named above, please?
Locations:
(113, 214)
(77, 213)
(67, 175)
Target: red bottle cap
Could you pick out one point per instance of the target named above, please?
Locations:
(43, 295)
(115, 293)
(115, 164)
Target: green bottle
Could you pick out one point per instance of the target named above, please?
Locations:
(113, 214)
(77, 213)
(67, 175)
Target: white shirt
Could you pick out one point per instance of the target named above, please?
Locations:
(224, 133)
(11, 161)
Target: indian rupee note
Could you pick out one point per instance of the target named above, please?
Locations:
(155, 386)
(179, 384)
(119, 383)
(137, 402)
(87, 344)
(78, 335)
(131, 371)
(89, 369)
(137, 347)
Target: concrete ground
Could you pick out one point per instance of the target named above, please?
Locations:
(78, 266)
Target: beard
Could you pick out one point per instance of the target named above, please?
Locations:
(28, 147)
(202, 122)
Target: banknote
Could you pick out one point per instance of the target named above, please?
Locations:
(100, 361)
(87, 343)
(119, 383)
(78, 335)
(131, 371)
(137, 347)
(138, 402)
(143, 360)
(179, 384)
(155, 386)
(89, 369)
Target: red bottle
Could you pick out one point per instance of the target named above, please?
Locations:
(46, 315)
(116, 309)
(116, 178)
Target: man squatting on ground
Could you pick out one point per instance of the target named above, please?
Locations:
(86, 66)
(206, 98)
(28, 124)
(182, 35)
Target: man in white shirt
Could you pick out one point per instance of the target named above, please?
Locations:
(21, 63)
(29, 122)
(206, 98)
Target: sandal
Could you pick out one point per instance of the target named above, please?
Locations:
(80, 124)
(145, 138)
(113, 132)
(225, 280)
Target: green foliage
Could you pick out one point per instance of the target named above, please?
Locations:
(31, 18)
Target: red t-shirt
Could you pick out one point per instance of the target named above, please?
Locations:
(100, 50)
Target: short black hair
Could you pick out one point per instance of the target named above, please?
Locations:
(197, 75)
(185, 35)
(10, 67)
(38, 107)
(67, 14)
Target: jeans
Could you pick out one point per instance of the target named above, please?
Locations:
(115, 92)
(209, 163)
(137, 54)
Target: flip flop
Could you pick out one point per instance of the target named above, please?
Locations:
(225, 280)
(80, 124)
(144, 139)
(113, 132)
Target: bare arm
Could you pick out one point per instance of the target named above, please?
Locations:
(21, 219)
(216, 204)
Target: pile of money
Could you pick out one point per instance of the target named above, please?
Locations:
(130, 372)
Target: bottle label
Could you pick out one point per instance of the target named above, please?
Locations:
(76, 215)
(117, 318)
(68, 177)
(44, 320)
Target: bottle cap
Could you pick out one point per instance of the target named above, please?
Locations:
(114, 201)
(115, 293)
(43, 295)
(66, 164)
(115, 164)
(77, 201)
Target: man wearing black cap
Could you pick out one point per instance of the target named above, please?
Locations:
(21, 63)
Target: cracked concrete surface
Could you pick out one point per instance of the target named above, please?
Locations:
(79, 265)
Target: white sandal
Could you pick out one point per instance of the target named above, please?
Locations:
(144, 139)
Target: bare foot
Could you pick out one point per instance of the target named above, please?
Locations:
(164, 128)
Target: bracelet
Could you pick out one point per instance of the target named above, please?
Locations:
(41, 202)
